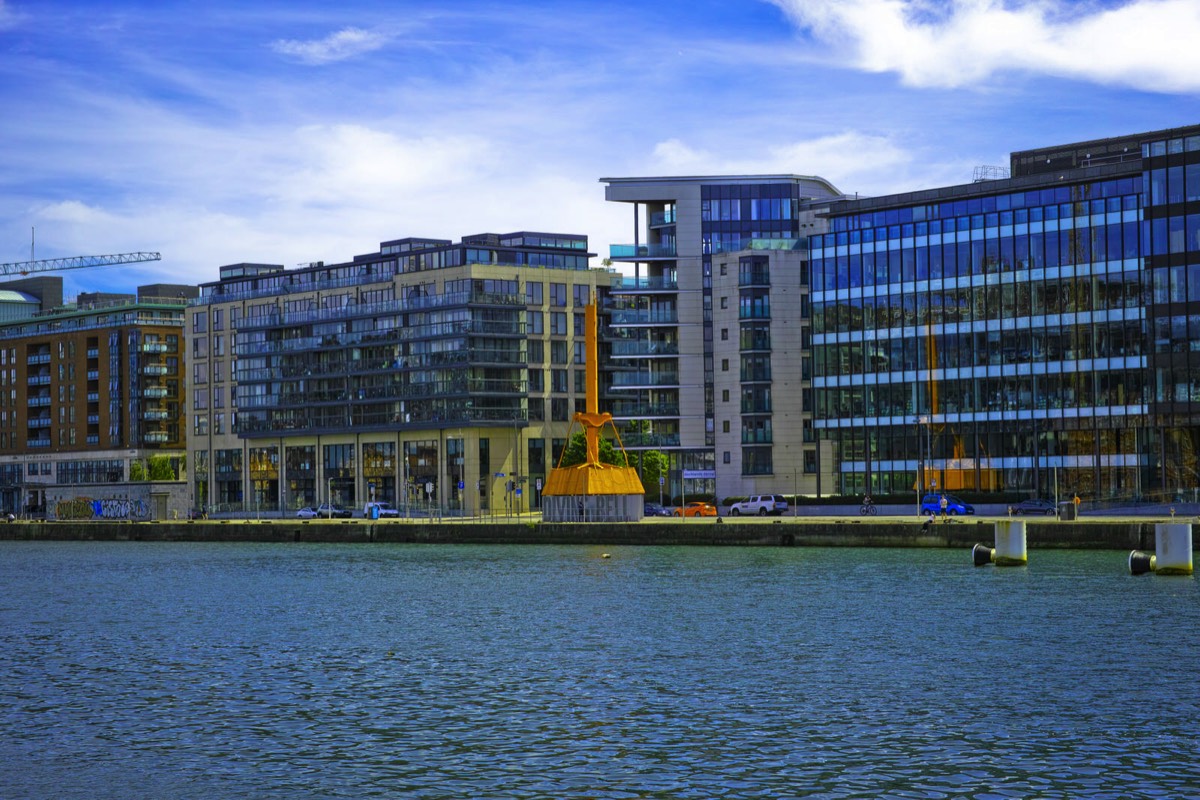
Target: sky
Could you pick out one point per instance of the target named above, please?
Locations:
(290, 132)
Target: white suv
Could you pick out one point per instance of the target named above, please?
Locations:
(761, 504)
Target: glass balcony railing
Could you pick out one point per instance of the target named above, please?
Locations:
(645, 284)
(637, 252)
(639, 317)
(620, 348)
(662, 218)
(645, 379)
(642, 410)
(754, 277)
(650, 440)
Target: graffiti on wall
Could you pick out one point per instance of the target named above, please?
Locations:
(112, 508)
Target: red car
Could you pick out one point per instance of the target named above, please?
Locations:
(697, 509)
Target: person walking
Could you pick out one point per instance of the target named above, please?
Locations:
(944, 504)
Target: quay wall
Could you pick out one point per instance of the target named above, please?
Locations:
(1083, 534)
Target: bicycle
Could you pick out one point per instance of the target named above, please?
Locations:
(868, 507)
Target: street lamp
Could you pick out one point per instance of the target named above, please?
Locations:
(329, 495)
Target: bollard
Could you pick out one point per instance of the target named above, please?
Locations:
(1140, 563)
(1173, 548)
(1172, 551)
(1010, 550)
(1010, 543)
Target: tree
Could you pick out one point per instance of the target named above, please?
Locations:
(655, 465)
(576, 452)
(137, 471)
(161, 469)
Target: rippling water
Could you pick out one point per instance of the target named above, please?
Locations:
(134, 670)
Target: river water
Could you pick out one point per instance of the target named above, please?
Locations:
(139, 670)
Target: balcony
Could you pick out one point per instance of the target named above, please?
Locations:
(154, 347)
(38, 442)
(635, 379)
(93, 374)
(149, 369)
(93, 397)
(151, 415)
(93, 352)
(756, 437)
(39, 402)
(754, 277)
(40, 422)
(157, 392)
(660, 218)
(641, 252)
(650, 440)
(639, 317)
(41, 358)
(156, 437)
(38, 380)
(634, 410)
(661, 283)
(635, 348)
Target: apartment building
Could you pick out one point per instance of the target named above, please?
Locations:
(438, 376)
(90, 393)
(710, 351)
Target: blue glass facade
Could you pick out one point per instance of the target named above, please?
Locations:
(1007, 334)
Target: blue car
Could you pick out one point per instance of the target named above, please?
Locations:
(931, 504)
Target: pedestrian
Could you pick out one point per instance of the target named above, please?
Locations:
(945, 504)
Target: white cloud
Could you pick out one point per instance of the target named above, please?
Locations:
(1147, 44)
(845, 159)
(346, 43)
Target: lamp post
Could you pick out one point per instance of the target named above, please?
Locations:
(329, 495)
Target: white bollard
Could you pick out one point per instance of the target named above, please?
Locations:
(1010, 543)
(1173, 548)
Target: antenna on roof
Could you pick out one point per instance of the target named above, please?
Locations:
(986, 173)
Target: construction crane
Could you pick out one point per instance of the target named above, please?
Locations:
(75, 262)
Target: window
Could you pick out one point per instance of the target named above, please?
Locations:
(581, 294)
(534, 322)
(533, 293)
(724, 395)
(724, 334)
(558, 295)
(725, 426)
(536, 351)
(724, 365)
(558, 323)
(558, 352)
(200, 322)
(724, 302)
(559, 409)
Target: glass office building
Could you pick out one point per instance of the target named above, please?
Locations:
(1026, 334)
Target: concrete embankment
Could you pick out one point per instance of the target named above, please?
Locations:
(798, 532)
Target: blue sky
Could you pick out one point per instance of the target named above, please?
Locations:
(289, 132)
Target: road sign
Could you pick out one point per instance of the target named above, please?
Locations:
(499, 474)
(429, 487)
(662, 481)
(462, 484)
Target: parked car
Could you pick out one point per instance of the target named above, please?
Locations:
(760, 504)
(306, 513)
(655, 510)
(1034, 506)
(330, 511)
(696, 509)
(931, 504)
(385, 510)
